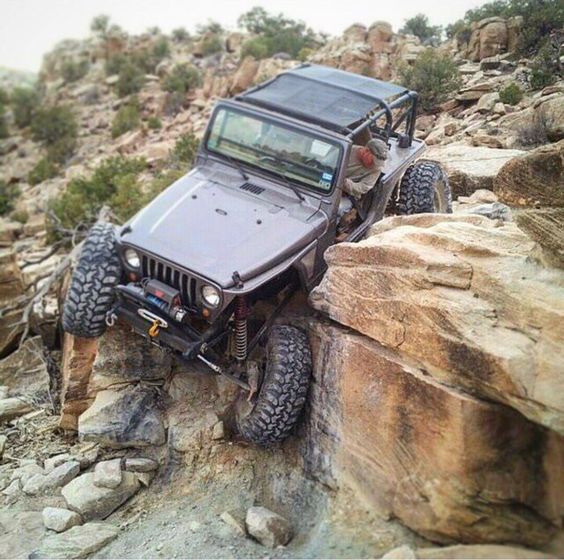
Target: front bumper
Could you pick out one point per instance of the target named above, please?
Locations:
(183, 338)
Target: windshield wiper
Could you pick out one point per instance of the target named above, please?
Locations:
(283, 164)
(237, 166)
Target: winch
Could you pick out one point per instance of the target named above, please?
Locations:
(166, 298)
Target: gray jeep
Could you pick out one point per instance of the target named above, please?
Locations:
(207, 267)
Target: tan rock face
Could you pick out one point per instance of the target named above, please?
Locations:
(245, 75)
(78, 357)
(462, 295)
(449, 465)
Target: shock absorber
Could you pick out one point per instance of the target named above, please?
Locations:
(240, 316)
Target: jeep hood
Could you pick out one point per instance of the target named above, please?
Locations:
(208, 224)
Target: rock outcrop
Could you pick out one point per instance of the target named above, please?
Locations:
(454, 314)
(492, 36)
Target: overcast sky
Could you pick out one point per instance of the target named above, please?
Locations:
(29, 28)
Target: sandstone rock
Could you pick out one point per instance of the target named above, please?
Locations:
(25, 472)
(77, 542)
(533, 179)
(59, 476)
(24, 371)
(470, 168)
(403, 552)
(11, 280)
(465, 297)
(487, 102)
(53, 462)
(464, 552)
(13, 407)
(487, 141)
(94, 502)
(107, 474)
(140, 464)
(60, 519)
(78, 357)
(127, 418)
(545, 227)
(493, 38)
(449, 465)
(124, 357)
(245, 75)
(22, 531)
(238, 525)
(3, 440)
(218, 431)
(269, 528)
(355, 33)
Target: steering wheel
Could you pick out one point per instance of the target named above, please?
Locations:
(312, 162)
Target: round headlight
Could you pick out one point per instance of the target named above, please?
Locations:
(132, 258)
(211, 296)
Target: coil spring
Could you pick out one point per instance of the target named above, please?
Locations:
(240, 328)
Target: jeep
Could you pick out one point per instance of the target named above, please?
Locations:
(207, 267)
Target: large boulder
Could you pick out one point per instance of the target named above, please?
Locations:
(470, 168)
(451, 466)
(130, 417)
(535, 182)
(464, 296)
(245, 75)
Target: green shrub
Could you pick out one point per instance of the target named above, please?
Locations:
(56, 128)
(161, 49)
(419, 26)
(182, 78)
(4, 132)
(8, 195)
(546, 66)
(211, 26)
(43, 170)
(305, 53)
(24, 102)
(258, 47)
(154, 123)
(85, 196)
(20, 216)
(4, 97)
(211, 44)
(131, 79)
(115, 63)
(72, 70)
(184, 151)
(511, 94)
(433, 76)
(100, 24)
(278, 33)
(52, 124)
(127, 118)
(174, 103)
(180, 34)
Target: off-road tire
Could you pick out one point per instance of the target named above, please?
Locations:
(424, 189)
(91, 292)
(284, 388)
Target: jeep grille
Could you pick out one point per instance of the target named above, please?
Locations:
(171, 276)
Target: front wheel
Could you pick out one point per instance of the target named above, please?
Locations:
(424, 189)
(272, 415)
(91, 292)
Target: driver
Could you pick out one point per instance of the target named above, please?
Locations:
(365, 165)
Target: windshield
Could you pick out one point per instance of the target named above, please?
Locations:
(287, 151)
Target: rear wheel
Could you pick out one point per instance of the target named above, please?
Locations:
(271, 416)
(424, 189)
(91, 292)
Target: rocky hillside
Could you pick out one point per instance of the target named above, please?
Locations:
(435, 422)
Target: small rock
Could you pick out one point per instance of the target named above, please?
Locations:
(145, 478)
(53, 462)
(94, 502)
(12, 490)
(267, 527)
(4, 389)
(107, 474)
(27, 471)
(78, 542)
(60, 519)
(3, 440)
(59, 476)
(403, 552)
(12, 407)
(87, 454)
(140, 464)
(238, 525)
(218, 431)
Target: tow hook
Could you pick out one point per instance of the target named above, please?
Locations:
(111, 318)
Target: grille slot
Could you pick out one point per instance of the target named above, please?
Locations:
(171, 276)
(255, 189)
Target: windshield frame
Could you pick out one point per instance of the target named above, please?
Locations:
(339, 141)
